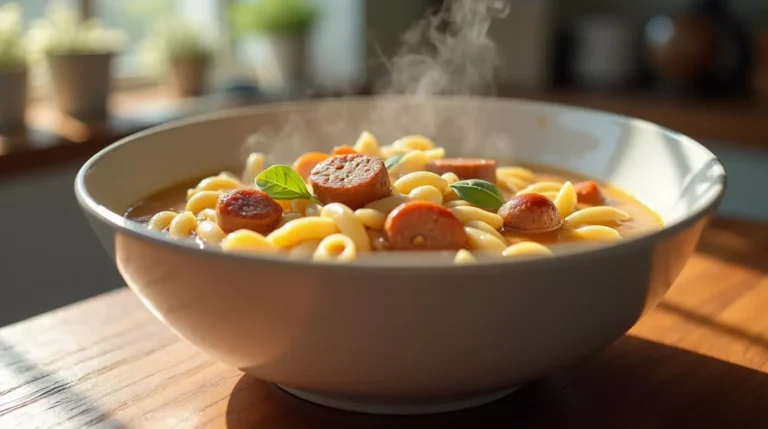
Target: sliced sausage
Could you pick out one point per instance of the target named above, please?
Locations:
(589, 192)
(248, 208)
(465, 168)
(530, 213)
(421, 225)
(352, 180)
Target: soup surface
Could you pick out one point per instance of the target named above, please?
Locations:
(407, 196)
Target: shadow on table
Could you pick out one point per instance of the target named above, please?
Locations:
(738, 241)
(38, 390)
(634, 384)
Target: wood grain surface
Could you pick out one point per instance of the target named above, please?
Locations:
(700, 360)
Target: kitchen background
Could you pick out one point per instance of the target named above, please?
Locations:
(697, 66)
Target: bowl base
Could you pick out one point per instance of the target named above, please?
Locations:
(414, 407)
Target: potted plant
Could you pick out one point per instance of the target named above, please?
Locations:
(181, 51)
(282, 27)
(13, 69)
(79, 54)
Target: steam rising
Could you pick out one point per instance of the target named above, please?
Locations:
(449, 52)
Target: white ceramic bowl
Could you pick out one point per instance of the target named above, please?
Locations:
(405, 336)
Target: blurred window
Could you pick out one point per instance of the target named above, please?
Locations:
(138, 17)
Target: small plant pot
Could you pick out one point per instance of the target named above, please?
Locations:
(187, 77)
(81, 84)
(284, 61)
(13, 99)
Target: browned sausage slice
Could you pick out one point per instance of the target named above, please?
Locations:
(465, 168)
(353, 180)
(421, 225)
(589, 192)
(248, 208)
(530, 213)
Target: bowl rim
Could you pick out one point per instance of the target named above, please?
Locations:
(120, 224)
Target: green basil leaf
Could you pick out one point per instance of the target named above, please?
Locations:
(393, 160)
(281, 182)
(479, 192)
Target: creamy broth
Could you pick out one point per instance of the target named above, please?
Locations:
(363, 200)
(643, 220)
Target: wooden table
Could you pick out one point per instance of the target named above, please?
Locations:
(699, 360)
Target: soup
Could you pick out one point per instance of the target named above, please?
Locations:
(407, 196)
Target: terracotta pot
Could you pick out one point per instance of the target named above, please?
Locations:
(81, 84)
(279, 60)
(13, 102)
(187, 77)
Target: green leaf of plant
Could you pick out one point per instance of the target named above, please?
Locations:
(393, 160)
(479, 192)
(281, 182)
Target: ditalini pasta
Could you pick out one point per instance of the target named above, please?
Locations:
(403, 196)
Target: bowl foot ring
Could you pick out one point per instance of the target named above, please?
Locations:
(398, 408)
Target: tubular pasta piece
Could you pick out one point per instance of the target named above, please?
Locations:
(348, 224)
(596, 216)
(518, 173)
(450, 195)
(367, 145)
(411, 181)
(287, 217)
(303, 229)
(566, 200)
(182, 225)
(202, 200)
(426, 193)
(210, 232)
(414, 142)
(371, 218)
(511, 184)
(247, 241)
(304, 250)
(540, 187)
(336, 247)
(482, 226)
(463, 256)
(254, 165)
(313, 209)
(411, 162)
(457, 203)
(468, 213)
(229, 174)
(526, 248)
(388, 151)
(299, 206)
(208, 214)
(450, 178)
(483, 241)
(550, 195)
(386, 205)
(161, 220)
(216, 183)
(596, 233)
(436, 153)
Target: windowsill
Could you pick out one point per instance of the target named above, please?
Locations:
(52, 138)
